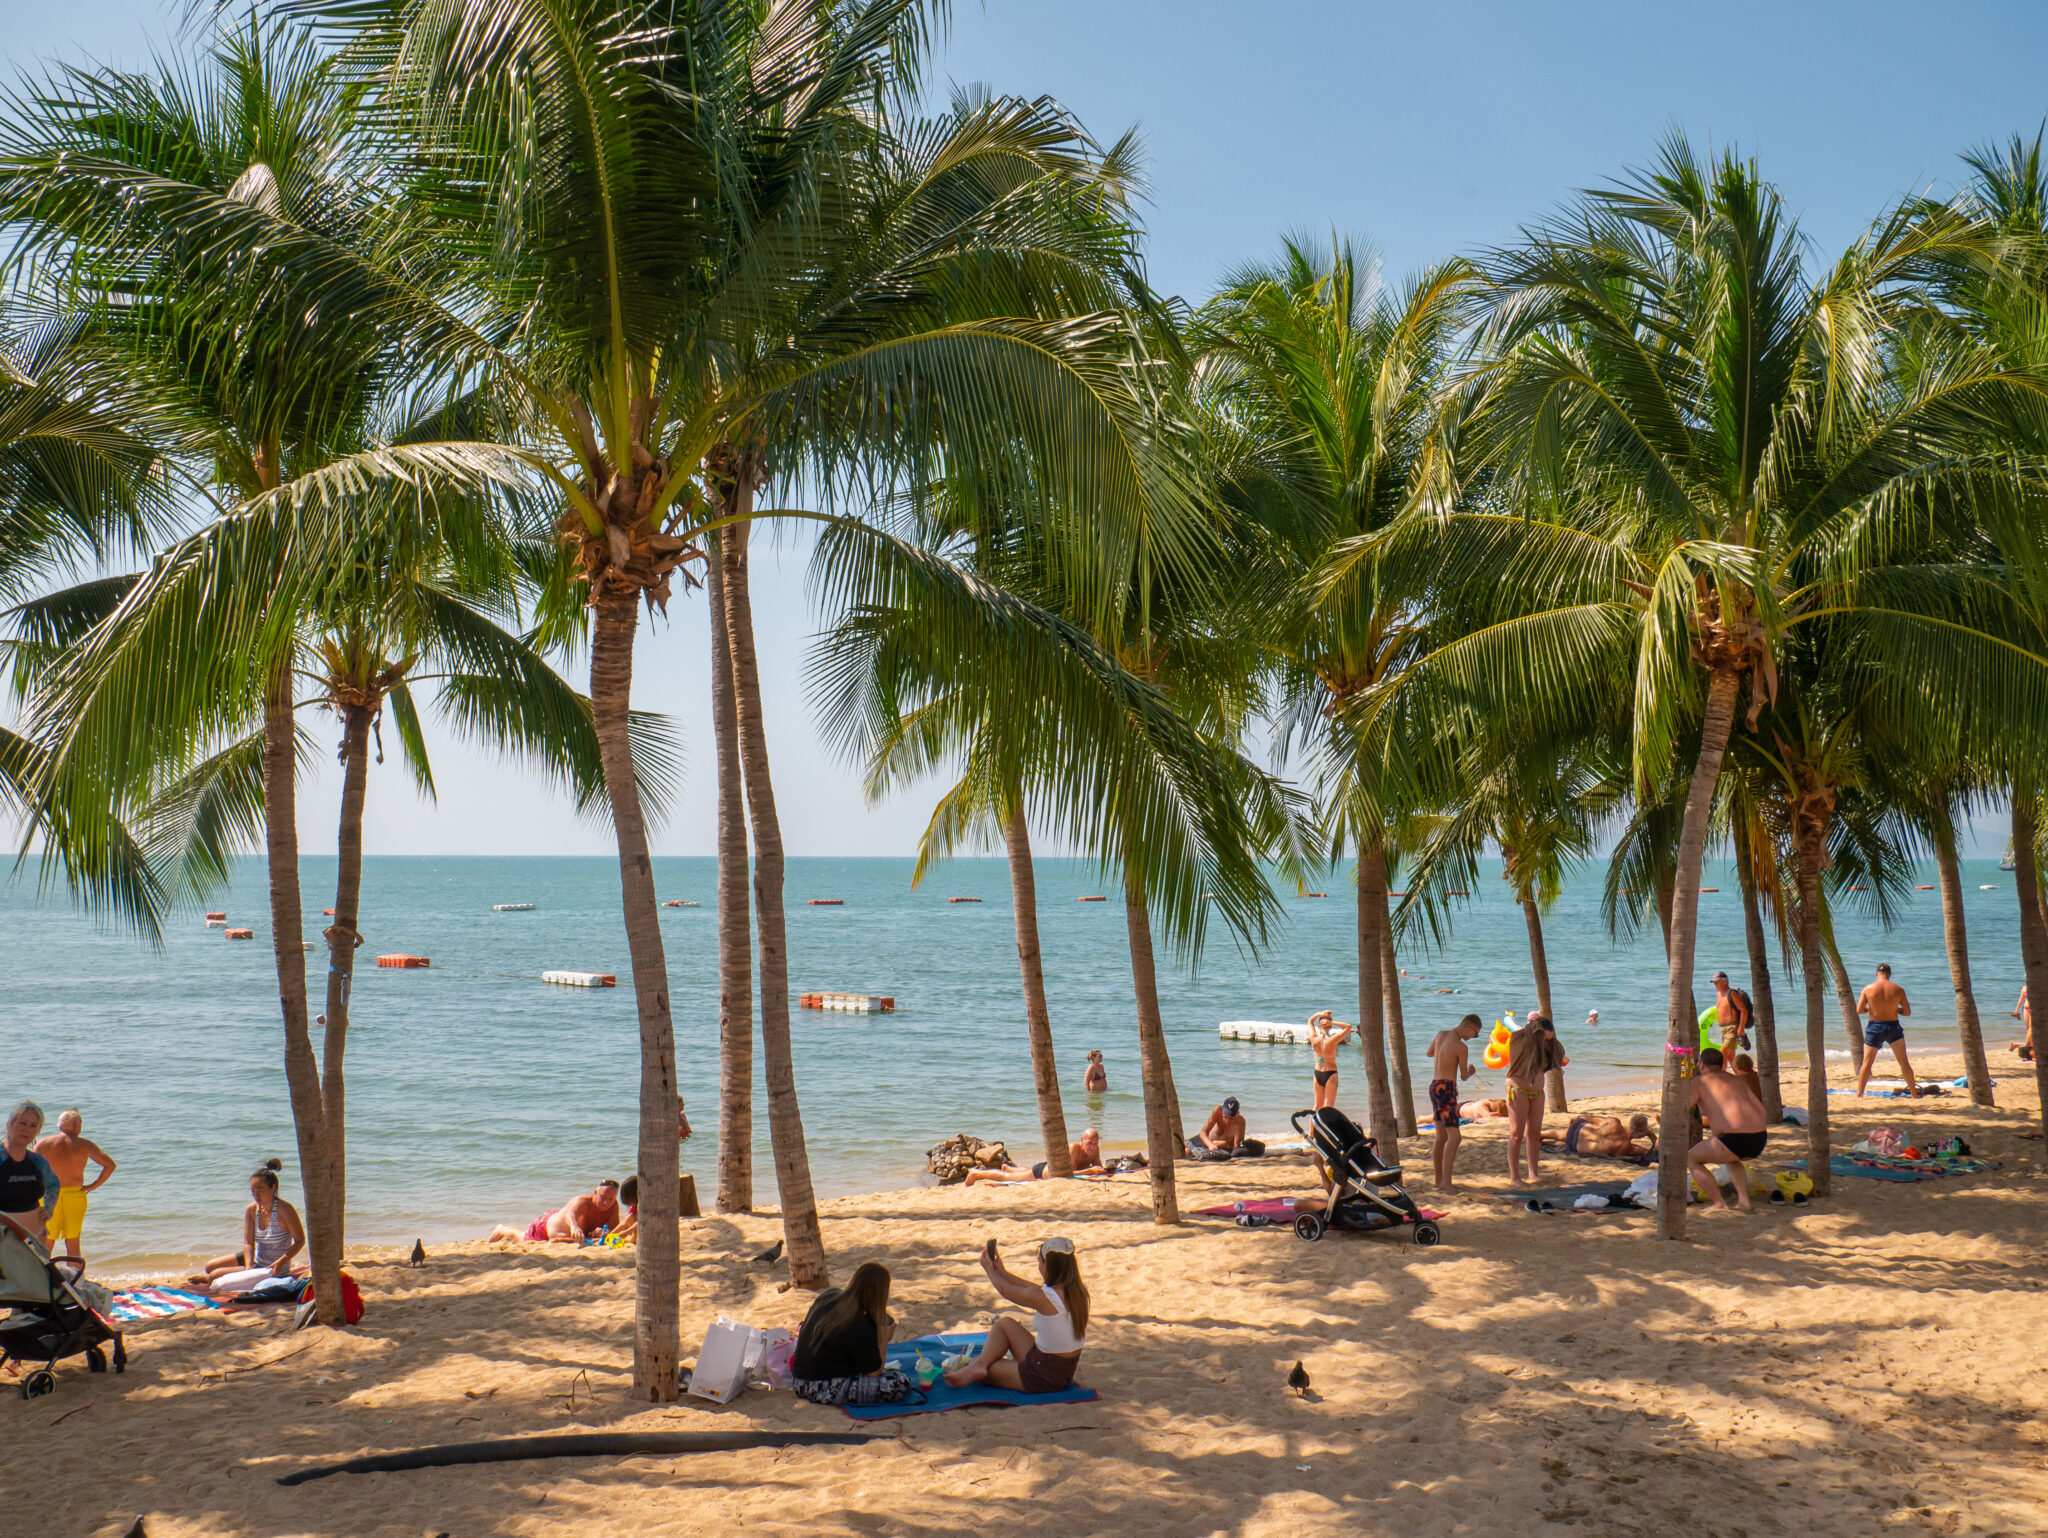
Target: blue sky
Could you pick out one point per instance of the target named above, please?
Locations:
(1425, 130)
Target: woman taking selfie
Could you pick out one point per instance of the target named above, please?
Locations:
(1039, 1359)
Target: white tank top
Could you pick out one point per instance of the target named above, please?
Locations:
(1055, 1331)
(271, 1242)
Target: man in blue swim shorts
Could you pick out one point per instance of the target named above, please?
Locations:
(1885, 1002)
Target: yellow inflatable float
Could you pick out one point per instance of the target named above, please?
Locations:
(1496, 1054)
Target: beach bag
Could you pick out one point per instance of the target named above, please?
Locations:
(1643, 1189)
(778, 1359)
(351, 1297)
(729, 1350)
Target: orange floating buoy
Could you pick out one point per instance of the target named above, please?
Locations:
(329, 912)
(1923, 888)
(1092, 899)
(1397, 894)
(216, 917)
(828, 902)
(1859, 888)
(241, 934)
(963, 899)
(1315, 894)
(1457, 894)
(1716, 889)
(673, 902)
(403, 961)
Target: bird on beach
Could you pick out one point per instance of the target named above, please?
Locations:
(1298, 1380)
(769, 1256)
(136, 1529)
(418, 1257)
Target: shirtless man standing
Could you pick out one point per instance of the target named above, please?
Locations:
(1735, 1013)
(1739, 1129)
(1885, 1002)
(68, 1152)
(1326, 1034)
(1453, 1063)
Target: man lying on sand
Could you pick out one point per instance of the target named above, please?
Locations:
(1604, 1137)
(1086, 1154)
(573, 1222)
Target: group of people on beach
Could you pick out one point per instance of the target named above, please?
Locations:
(43, 1189)
(842, 1350)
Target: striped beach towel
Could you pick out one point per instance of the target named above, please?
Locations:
(133, 1303)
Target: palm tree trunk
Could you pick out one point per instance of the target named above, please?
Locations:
(1397, 1030)
(804, 1241)
(2033, 933)
(1957, 938)
(1682, 1034)
(1809, 843)
(657, 1255)
(1372, 1030)
(735, 933)
(1760, 986)
(1163, 1141)
(287, 921)
(1539, 963)
(1845, 998)
(1045, 1068)
(343, 939)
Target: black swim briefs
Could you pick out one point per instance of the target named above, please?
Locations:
(1744, 1145)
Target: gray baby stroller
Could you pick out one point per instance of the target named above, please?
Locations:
(50, 1320)
(1364, 1193)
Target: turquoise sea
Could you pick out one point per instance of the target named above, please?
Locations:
(478, 1094)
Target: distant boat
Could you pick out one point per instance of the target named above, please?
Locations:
(2008, 863)
(512, 907)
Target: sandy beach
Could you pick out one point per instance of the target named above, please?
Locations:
(1867, 1364)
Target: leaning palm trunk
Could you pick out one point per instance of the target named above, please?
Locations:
(1958, 941)
(1682, 1033)
(1760, 986)
(1045, 1068)
(1845, 998)
(1162, 1117)
(735, 936)
(801, 1234)
(2033, 933)
(343, 940)
(1397, 1029)
(1372, 1031)
(287, 919)
(657, 1255)
(1809, 843)
(1539, 963)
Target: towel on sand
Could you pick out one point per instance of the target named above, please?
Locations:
(936, 1349)
(1842, 1164)
(1563, 1196)
(132, 1303)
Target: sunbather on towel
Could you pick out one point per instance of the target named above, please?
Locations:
(1039, 1359)
(271, 1232)
(1604, 1137)
(1086, 1154)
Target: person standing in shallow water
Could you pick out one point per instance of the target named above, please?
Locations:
(1096, 1079)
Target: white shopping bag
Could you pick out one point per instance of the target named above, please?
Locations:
(729, 1350)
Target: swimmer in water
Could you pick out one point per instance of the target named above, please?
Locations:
(1592, 1017)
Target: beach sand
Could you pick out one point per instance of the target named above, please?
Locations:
(1869, 1364)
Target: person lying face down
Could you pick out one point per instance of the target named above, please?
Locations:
(1085, 1153)
(574, 1221)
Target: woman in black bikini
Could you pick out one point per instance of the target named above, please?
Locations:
(1326, 1034)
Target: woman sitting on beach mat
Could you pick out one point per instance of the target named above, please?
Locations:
(271, 1234)
(1041, 1359)
(844, 1343)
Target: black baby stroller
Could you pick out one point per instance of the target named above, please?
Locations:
(50, 1320)
(1364, 1193)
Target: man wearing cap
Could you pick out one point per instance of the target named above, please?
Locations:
(1732, 1011)
(1222, 1133)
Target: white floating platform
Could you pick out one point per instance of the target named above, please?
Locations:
(1263, 1030)
(513, 907)
(581, 979)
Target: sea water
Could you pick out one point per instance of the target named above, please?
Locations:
(478, 1094)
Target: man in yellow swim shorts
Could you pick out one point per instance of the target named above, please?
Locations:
(68, 1151)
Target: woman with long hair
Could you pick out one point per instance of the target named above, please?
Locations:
(1040, 1358)
(272, 1234)
(842, 1351)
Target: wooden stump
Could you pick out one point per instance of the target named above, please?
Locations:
(689, 1208)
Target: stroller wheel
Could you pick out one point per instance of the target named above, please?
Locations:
(1309, 1226)
(36, 1384)
(1427, 1233)
(95, 1359)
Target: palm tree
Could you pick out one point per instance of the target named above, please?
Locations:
(735, 933)
(1758, 879)
(1319, 388)
(1694, 450)
(1938, 825)
(752, 262)
(232, 261)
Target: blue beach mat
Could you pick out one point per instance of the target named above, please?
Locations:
(938, 1397)
(1842, 1164)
